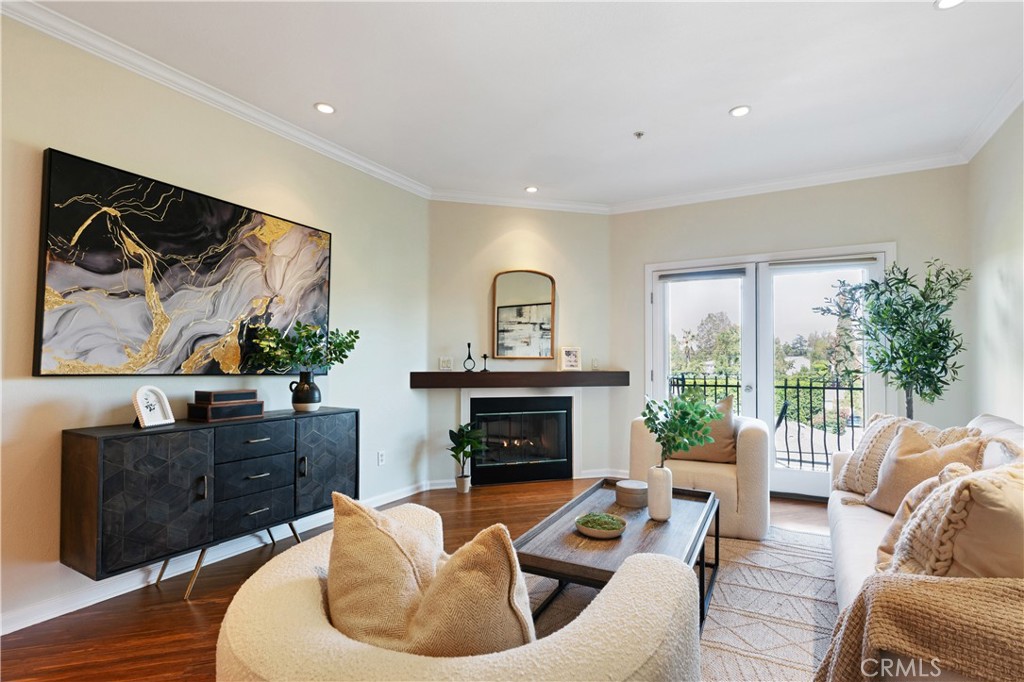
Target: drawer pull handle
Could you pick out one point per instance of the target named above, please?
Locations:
(257, 440)
(263, 475)
(258, 511)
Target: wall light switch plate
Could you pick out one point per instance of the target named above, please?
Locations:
(444, 364)
(380, 458)
(594, 364)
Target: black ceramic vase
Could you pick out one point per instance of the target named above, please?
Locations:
(305, 393)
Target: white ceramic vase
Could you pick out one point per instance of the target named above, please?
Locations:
(462, 484)
(659, 493)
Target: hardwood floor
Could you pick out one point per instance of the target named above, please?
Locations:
(153, 634)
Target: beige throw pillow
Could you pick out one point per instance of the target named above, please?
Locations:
(911, 458)
(970, 527)
(860, 473)
(478, 602)
(723, 431)
(390, 584)
(910, 502)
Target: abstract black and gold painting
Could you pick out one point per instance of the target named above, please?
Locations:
(137, 276)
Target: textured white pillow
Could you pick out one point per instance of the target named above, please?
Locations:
(910, 502)
(392, 586)
(860, 473)
(969, 527)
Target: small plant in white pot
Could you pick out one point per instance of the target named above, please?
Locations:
(467, 440)
(678, 424)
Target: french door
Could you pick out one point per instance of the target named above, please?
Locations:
(749, 329)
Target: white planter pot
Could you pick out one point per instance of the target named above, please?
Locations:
(462, 484)
(659, 493)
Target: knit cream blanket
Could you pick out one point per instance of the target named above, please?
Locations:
(974, 626)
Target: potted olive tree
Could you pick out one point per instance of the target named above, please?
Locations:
(678, 424)
(467, 440)
(904, 326)
(306, 348)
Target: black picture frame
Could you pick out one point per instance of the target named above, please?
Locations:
(523, 331)
(140, 277)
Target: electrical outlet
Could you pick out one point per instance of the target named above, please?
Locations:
(380, 458)
(594, 364)
(444, 364)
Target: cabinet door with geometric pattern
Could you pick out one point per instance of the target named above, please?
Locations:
(326, 454)
(156, 497)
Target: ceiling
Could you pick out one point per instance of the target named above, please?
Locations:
(476, 101)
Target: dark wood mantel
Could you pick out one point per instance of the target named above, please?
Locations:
(515, 379)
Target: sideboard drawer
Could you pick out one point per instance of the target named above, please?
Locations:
(257, 439)
(253, 512)
(247, 476)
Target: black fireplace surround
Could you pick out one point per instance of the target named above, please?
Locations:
(527, 438)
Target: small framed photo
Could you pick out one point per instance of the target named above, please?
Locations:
(152, 407)
(570, 359)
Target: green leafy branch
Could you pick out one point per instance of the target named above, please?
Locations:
(907, 335)
(681, 422)
(306, 347)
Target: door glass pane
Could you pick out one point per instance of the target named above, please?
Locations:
(704, 335)
(817, 410)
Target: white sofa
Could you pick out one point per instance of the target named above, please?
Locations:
(642, 626)
(741, 488)
(856, 529)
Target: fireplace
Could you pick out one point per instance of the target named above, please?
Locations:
(527, 438)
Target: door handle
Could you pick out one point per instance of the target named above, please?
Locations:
(303, 466)
(205, 492)
(748, 388)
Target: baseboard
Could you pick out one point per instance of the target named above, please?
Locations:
(101, 590)
(604, 473)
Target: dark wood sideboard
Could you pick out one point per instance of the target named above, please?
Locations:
(131, 497)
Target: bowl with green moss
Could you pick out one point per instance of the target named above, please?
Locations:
(600, 525)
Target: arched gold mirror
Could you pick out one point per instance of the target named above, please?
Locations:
(524, 315)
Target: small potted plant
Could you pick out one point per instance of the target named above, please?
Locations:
(467, 440)
(678, 424)
(306, 348)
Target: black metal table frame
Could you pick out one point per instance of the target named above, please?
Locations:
(701, 564)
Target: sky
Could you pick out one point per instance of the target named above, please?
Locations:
(795, 294)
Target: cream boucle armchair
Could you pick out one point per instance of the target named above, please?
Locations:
(741, 488)
(642, 626)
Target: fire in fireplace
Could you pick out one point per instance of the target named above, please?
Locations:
(527, 438)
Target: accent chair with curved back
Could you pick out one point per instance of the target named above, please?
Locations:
(741, 488)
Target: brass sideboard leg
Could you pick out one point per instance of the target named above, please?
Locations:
(163, 568)
(298, 538)
(272, 540)
(195, 573)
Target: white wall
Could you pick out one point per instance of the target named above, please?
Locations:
(469, 245)
(57, 96)
(924, 213)
(995, 188)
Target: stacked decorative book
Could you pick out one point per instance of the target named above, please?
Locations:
(222, 406)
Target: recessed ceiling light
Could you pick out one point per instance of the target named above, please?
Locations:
(531, 189)
(946, 4)
(741, 110)
(324, 108)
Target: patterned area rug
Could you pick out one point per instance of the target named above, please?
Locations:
(771, 615)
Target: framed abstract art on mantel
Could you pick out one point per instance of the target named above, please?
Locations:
(137, 276)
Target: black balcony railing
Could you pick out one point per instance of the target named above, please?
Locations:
(816, 416)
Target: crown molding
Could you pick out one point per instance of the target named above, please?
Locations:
(1003, 108)
(461, 197)
(57, 26)
(797, 182)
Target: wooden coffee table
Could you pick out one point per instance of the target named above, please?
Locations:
(554, 549)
